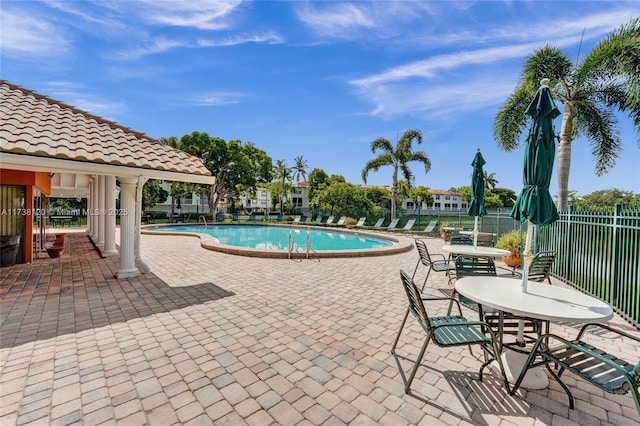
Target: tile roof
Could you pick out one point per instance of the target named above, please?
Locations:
(37, 125)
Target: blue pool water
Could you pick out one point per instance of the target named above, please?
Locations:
(277, 237)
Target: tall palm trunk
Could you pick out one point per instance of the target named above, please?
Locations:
(564, 156)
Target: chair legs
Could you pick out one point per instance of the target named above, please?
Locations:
(407, 381)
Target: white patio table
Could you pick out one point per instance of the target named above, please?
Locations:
(540, 301)
(470, 250)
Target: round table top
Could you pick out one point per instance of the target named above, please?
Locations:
(470, 250)
(541, 301)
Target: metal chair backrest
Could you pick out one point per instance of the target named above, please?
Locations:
(423, 252)
(461, 239)
(540, 266)
(469, 266)
(415, 301)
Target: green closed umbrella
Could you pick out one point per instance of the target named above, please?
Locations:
(476, 206)
(534, 204)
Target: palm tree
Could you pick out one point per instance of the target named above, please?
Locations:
(398, 159)
(173, 142)
(490, 180)
(591, 90)
(300, 168)
(282, 174)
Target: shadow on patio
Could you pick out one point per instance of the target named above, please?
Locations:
(53, 297)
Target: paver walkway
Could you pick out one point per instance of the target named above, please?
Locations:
(210, 338)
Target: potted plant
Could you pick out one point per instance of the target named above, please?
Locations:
(349, 222)
(511, 241)
(446, 236)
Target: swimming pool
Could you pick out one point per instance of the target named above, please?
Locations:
(273, 240)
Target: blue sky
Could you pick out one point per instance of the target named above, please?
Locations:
(317, 79)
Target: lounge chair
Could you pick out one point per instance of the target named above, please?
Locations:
(360, 223)
(407, 227)
(340, 221)
(319, 219)
(429, 228)
(297, 219)
(329, 220)
(308, 220)
(391, 225)
(378, 224)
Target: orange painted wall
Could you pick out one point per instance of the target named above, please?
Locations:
(42, 181)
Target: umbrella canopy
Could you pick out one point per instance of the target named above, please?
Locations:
(534, 202)
(476, 206)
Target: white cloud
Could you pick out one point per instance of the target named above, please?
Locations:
(200, 14)
(267, 38)
(157, 45)
(421, 85)
(220, 98)
(26, 35)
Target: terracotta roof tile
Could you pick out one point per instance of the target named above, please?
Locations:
(38, 125)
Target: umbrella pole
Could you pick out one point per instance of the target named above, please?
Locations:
(526, 260)
(475, 231)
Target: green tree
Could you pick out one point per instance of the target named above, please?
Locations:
(591, 90)
(173, 142)
(233, 169)
(153, 194)
(344, 199)
(318, 180)
(423, 192)
(379, 197)
(490, 180)
(282, 174)
(611, 197)
(507, 196)
(299, 170)
(398, 158)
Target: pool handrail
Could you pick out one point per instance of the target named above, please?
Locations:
(204, 219)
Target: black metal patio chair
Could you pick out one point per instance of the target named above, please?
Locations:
(445, 331)
(432, 262)
(605, 371)
(470, 266)
(540, 266)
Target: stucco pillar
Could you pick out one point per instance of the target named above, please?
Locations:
(91, 208)
(144, 268)
(127, 228)
(102, 213)
(110, 219)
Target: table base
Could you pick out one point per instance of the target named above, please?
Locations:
(513, 363)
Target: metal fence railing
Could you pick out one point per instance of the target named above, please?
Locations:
(599, 253)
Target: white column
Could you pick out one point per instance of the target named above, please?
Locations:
(127, 228)
(144, 268)
(91, 207)
(110, 219)
(101, 217)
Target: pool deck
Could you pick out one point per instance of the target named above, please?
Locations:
(212, 338)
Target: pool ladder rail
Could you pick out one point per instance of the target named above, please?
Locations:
(204, 220)
(291, 243)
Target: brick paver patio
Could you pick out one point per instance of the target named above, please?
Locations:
(210, 338)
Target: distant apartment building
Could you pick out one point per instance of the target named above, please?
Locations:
(442, 200)
(261, 201)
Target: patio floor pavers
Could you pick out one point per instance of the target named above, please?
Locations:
(211, 338)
